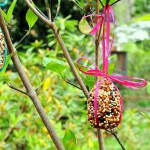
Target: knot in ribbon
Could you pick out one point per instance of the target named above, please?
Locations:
(93, 70)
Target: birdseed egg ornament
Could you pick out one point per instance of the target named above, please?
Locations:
(3, 51)
(104, 105)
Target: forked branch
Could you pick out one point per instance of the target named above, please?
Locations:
(62, 45)
(29, 88)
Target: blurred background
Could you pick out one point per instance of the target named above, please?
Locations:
(20, 125)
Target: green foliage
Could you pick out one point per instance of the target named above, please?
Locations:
(31, 18)
(69, 140)
(148, 87)
(143, 18)
(79, 3)
(75, 43)
(54, 65)
(146, 116)
(20, 125)
(141, 7)
(8, 16)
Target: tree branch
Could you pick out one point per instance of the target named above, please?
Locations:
(62, 45)
(31, 93)
(97, 39)
(14, 88)
(115, 135)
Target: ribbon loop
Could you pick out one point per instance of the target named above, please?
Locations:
(103, 22)
(128, 81)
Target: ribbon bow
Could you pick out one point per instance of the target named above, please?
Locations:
(103, 23)
(128, 81)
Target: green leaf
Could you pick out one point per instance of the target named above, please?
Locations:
(69, 140)
(5, 16)
(143, 18)
(111, 68)
(10, 11)
(148, 87)
(31, 18)
(54, 65)
(145, 115)
(84, 27)
(89, 80)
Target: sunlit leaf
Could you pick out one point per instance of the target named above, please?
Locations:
(89, 80)
(10, 11)
(46, 84)
(5, 16)
(111, 68)
(54, 65)
(69, 140)
(31, 18)
(143, 18)
(84, 27)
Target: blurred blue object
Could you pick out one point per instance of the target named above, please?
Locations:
(3, 2)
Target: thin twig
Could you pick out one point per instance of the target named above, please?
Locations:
(62, 45)
(51, 6)
(100, 139)
(115, 2)
(48, 9)
(70, 83)
(97, 39)
(14, 88)
(115, 135)
(57, 11)
(23, 38)
(39, 10)
(30, 90)
(101, 3)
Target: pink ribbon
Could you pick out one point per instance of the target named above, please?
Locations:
(103, 23)
(128, 81)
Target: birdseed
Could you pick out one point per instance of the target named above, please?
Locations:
(109, 106)
(2, 50)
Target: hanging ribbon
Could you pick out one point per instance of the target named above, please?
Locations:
(103, 24)
(128, 81)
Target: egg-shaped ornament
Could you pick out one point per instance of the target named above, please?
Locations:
(3, 51)
(104, 105)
